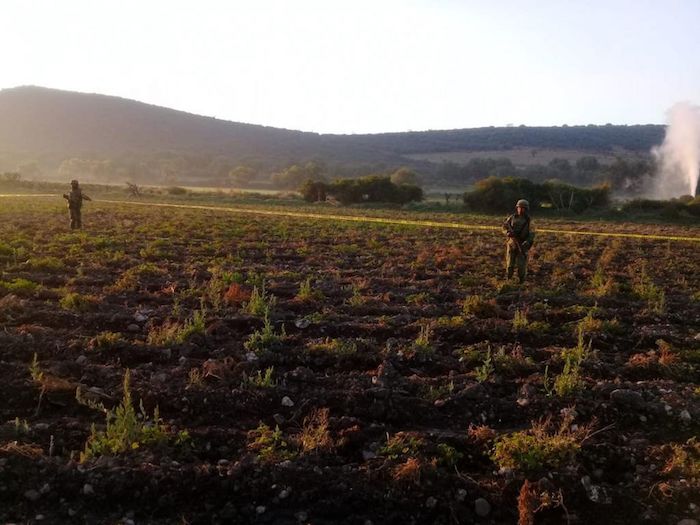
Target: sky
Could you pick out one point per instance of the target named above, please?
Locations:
(366, 66)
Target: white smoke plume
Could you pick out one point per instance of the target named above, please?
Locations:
(678, 158)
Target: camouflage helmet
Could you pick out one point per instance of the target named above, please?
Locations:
(522, 203)
(74, 182)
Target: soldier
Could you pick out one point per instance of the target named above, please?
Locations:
(520, 239)
(75, 203)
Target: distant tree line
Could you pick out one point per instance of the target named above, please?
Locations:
(623, 175)
(639, 138)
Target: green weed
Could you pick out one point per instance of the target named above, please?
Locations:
(307, 294)
(261, 302)
(539, 448)
(125, 430)
(486, 370)
(265, 339)
(401, 444)
(76, 302)
(20, 287)
(259, 380)
(177, 333)
(269, 445)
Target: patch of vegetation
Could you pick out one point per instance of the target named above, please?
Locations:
(570, 380)
(270, 445)
(265, 339)
(177, 333)
(645, 289)
(47, 264)
(449, 455)
(539, 448)
(259, 380)
(422, 345)
(434, 392)
(685, 459)
(20, 287)
(133, 278)
(478, 307)
(336, 346)
(125, 430)
(76, 302)
(401, 444)
(314, 435)
(261, 303)
(106, 340)
(307, 293)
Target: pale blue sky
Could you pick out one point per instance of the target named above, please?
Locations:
(366, 66)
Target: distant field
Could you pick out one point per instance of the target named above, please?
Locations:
(523, 156)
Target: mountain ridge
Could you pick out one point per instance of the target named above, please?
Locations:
(51, 126)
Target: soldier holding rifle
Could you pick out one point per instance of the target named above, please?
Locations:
(520, 239)
(75, 204)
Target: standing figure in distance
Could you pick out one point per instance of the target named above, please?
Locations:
(520, 239)
(75, 203)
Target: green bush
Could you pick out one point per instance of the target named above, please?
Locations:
(500, 194)
(373, 188)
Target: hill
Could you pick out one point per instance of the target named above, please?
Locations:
(49, 133)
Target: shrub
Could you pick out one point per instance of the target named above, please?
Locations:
(496, 194)
(373, 188)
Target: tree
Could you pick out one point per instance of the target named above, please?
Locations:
(588, 163)
(242, 175)
(405, 176)
(294, 176)
(313, 191)
(560, 169)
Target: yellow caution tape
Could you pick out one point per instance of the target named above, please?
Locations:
(381, 220)
(406, 222)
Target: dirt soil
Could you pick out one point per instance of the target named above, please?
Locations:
(390, 364)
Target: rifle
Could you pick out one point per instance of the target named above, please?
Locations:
(511, 234)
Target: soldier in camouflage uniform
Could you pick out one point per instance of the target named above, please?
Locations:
(520, 239)
(75, 203)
